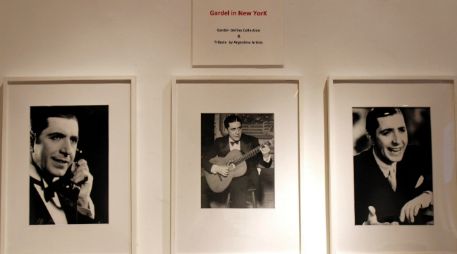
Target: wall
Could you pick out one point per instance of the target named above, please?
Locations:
(151, 40)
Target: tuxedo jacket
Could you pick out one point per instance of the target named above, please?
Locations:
(372, 188)
(221, 148)
(39, 214)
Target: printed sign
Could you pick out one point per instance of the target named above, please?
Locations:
(237, 33)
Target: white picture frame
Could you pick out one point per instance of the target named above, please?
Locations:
(116, 232)
(193, 228)
(345, 94)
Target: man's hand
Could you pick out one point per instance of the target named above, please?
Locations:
(265, 150)
(84, 179)
(412, 207)
(221, 170)
(372, 219)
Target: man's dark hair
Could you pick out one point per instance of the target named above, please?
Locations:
(231, 119)
(372, 118)
(39, 118)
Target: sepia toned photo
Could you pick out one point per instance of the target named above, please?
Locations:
(68, 165)
(237, 161)
(392, 166)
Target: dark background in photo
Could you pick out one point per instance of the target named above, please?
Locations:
(417, 122)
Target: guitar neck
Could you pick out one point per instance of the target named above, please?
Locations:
(250, 154)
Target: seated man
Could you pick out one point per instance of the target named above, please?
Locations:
(59, 187)
(235, 140)
(393, 182)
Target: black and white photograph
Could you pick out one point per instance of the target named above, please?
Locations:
(237, 160)
(391, 145)
(68, 165)
(392, 166)
(68, 171)
(225, 152)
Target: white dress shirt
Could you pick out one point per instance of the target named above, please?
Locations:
(54, 206)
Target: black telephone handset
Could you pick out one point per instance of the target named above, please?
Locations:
(70, 189)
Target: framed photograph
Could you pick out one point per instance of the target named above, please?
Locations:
(73, 140)
(391, 153)
(235, 165)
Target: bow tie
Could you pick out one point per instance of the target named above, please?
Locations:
(234, 142)
(62, 187)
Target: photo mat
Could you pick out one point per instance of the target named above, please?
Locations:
(106, 140)
(193, 225)
(430, 102)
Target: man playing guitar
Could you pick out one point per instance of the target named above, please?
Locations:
(224, 147)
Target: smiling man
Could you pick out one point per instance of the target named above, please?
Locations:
(60, 187)
(393, 183)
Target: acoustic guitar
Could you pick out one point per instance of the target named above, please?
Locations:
(236, 162)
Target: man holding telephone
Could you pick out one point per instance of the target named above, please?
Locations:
(60, 184)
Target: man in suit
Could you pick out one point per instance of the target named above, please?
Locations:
(235, 140)
(59, 187)
(393, 180)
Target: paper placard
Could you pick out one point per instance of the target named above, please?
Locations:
(237, 33)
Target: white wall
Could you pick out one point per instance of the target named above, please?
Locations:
(151, 40)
